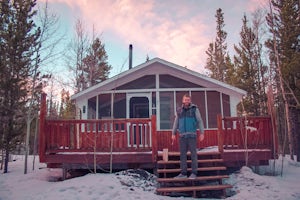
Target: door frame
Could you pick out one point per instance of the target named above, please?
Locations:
(138, 94)
(128, 97)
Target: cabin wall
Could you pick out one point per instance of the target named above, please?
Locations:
(234, 101)
(82, 108)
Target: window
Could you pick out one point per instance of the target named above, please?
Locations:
(119, 105)
(198, 98)
(104, 110)
(226, 104)
(145, 82)
(166, 110)
(167, 81)
(213, 108)
(91, 108)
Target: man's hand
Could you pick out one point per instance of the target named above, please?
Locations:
(201, 137)
(173, 138)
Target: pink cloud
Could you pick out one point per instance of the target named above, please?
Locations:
(252, 5)
(182, 41)
(178, 31)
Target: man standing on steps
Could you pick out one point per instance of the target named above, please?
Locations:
(187, 120)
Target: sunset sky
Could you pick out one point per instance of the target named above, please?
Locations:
(178, 31)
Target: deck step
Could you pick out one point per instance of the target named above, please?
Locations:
(199, 153)
(189, 161)
(193, 188)
(200, 178)
(201, 169)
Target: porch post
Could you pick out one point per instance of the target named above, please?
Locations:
(42, 137)
(154, 138)
(220, 133)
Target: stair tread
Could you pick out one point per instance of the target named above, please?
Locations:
(194, 188)
(200, 178)
(190, 169)
(199, 153)
(189, 161)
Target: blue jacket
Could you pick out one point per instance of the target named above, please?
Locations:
(187, 121)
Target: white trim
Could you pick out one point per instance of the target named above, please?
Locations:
(206, 110)
(221, 103)
(157, 99)
(97, 107)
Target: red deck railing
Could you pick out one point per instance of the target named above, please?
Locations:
(245, 133)
(140, 135)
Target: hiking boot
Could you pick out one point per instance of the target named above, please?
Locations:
(193, 176)
(180, 176)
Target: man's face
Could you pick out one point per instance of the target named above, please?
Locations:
(186, 101)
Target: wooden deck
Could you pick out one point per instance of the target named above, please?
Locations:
(135, 143)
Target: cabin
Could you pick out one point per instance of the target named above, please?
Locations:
(126, 121)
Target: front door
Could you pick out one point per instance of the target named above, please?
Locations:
(139, 106)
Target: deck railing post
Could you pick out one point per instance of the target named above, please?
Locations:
(220, 133)
(42, 137)
(154, 138)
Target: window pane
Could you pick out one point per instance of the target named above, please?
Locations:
(213, 108)
(145, 82)
(92, 108)
(226, 105)
(119, 105)
(104, 106)
(167, 81)
(166, 110)
(179, 96)
(198, 98)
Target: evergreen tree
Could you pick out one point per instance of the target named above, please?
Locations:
(67, 108)
(95, 65)
(217, 51)
(18, 39)
(284, 24)
(247, 70)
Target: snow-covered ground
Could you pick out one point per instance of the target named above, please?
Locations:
(40, 184)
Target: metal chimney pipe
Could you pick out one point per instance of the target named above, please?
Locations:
(130, 56)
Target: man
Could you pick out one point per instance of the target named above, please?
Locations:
(187, 120)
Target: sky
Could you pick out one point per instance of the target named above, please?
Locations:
(178, 31)
(42, 184)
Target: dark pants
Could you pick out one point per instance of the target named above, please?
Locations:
(185, 145)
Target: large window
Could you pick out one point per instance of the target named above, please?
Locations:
(226, 105)
(119, 105)
(145, 82)
(179, 96)
(167, 81)
(91, 108)
(213, 108)
(104, 110)
(166, 110)
(198, 98)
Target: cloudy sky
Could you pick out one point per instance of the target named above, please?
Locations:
(178, 31)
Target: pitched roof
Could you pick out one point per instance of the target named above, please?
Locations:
(158, 65)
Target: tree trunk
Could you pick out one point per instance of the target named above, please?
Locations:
(6, 160)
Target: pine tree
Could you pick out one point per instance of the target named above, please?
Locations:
(18, 36)
(217, 51)
(67, 108)
(284, 24)
(95, 65)
(247, 70)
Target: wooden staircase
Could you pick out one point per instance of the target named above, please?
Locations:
(210, 175)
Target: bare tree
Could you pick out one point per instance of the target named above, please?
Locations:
(77, 51)
(46, 51)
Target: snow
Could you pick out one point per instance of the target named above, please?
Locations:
(42, 183)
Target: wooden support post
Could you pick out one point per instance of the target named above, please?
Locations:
(154, 138)
(220, 134)
(42, 137)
